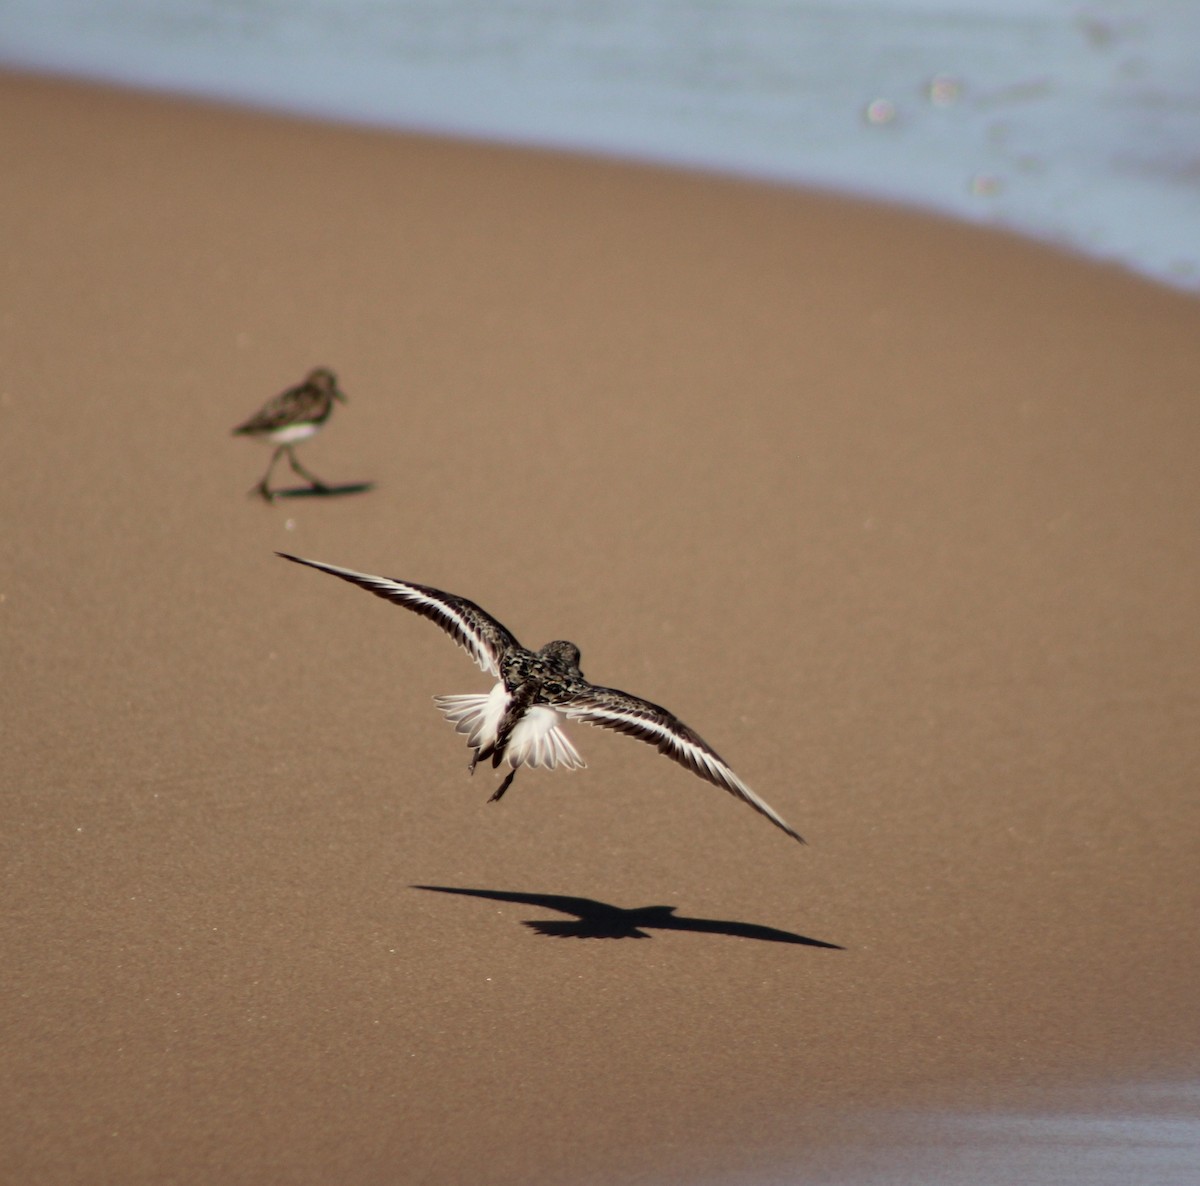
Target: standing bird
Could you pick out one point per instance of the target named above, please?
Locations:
(291, 417)
(518, 720)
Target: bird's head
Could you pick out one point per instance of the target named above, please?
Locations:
(565, 654)
(324, 380)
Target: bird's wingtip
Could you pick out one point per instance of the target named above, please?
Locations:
(301, 560)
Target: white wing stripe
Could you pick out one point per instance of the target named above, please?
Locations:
(465, 634)
(463, 631)
(700, 760)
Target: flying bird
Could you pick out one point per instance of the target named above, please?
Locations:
(290, 417)
(519, 720)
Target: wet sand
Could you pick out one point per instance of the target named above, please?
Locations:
(900, 515)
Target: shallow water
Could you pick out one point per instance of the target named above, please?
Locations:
(1077, 123)
(1131, 1136)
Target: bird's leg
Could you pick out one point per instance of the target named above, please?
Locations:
(504, 731)
(474, 762)
(520, 700)
(312, 479)
(503, 786)
(263, 489)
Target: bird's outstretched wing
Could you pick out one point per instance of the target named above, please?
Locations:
(639, 718)
(475, 630)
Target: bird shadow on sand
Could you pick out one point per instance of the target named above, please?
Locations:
(320, 491)
(599, 920)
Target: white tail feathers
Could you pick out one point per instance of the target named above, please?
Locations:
(477, 715)
(536, 741)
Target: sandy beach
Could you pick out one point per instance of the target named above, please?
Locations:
(899, 515)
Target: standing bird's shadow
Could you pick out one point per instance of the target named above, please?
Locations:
(320, 491)
(599, 920)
